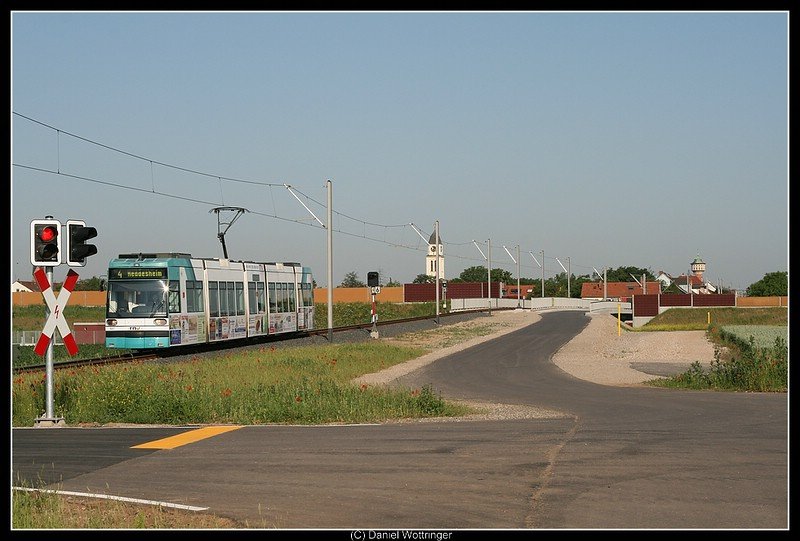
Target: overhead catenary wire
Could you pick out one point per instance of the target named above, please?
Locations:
(380, 238)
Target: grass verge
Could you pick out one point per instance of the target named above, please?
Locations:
(303, 385)
(47, 509)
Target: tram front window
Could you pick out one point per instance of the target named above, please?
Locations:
(132, 298)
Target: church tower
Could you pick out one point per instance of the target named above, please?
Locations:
(431, 257)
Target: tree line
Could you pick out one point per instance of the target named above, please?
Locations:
(555, 286)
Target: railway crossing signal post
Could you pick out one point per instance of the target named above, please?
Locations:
(46, 253)
(374, 283)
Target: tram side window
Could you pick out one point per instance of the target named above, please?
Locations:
(308, 294)
(284, 297)
(292, 298)
(251, 298)
(273, 299)
(260, 297)
(255, 296)
(190, 298)
(239, 298)
(213, 299)
(223, 299)
(231, 299)
(194, 296)
(174, 297)
(278, 298)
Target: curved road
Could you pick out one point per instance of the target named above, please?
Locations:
(617, 458)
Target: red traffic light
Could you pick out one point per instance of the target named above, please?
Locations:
(46, 242)
(48, 233)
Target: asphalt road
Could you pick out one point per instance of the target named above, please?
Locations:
(618, 458)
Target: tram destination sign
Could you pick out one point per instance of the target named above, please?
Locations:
(137, 273)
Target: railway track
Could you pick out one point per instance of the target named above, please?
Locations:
(162, 354)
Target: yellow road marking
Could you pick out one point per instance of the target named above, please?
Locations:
(186, 437)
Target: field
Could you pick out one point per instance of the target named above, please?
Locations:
(763, 336)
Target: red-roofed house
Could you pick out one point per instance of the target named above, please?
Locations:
(25, 286)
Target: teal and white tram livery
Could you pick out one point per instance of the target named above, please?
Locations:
(173, 299)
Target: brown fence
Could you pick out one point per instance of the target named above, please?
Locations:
(650, 305)
(358, 294)
(645, 305)
(713, 300)
(675, 299)
(76, 298)
(757, 302)
(458, 290)
(89, 333)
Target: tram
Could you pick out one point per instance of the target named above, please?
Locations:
(168, 300)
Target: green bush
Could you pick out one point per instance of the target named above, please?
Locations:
(751, 368)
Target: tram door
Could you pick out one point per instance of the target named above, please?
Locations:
(257, 317)
(305, 296)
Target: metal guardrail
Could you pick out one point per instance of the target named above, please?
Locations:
(29, 338)
(536, 303)
(613, 306)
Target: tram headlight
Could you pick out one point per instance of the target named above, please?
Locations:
(111, 322)
(160, 321)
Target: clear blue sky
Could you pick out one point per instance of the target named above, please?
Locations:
(612, 139)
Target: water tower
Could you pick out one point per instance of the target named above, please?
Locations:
(698, 267)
